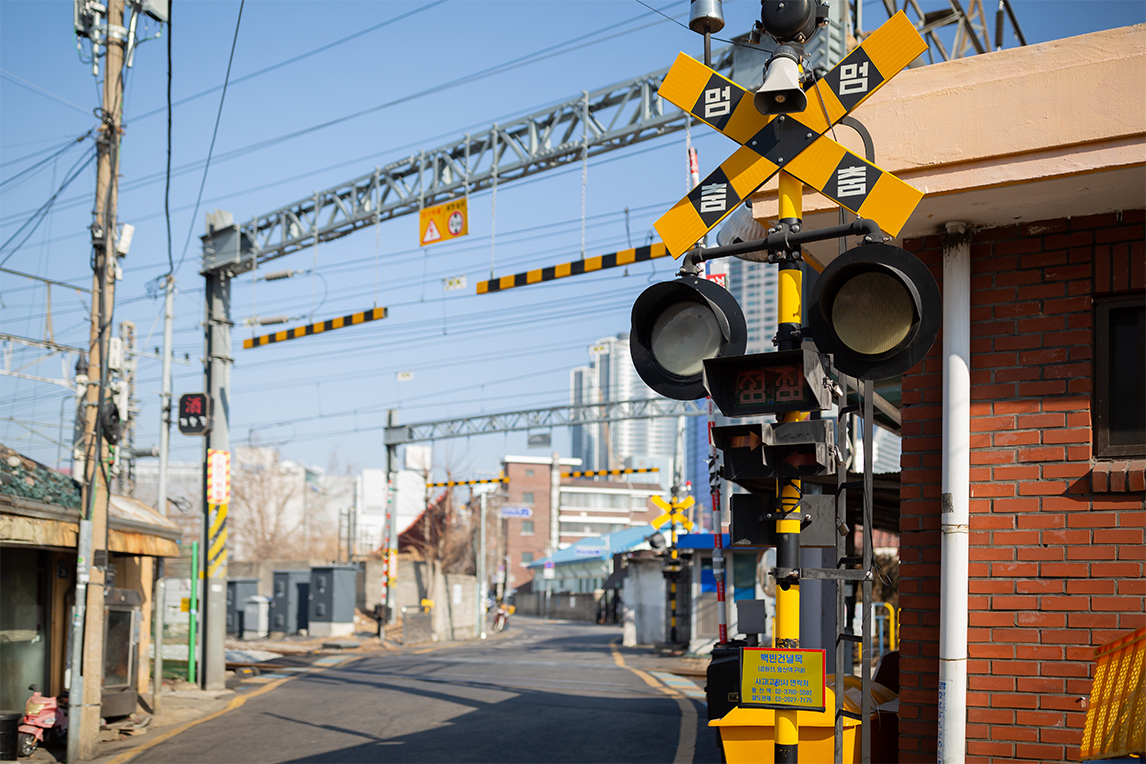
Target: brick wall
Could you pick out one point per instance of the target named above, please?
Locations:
(1056, 561)
(521, 484)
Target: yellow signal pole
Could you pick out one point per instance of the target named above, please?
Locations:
(788, 530)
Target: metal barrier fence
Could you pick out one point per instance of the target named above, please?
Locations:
(417, 626)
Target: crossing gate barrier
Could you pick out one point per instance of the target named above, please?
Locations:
(1116, 717)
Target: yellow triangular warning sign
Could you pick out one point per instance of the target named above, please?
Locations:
(432, 233)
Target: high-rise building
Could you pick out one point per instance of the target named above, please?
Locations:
(611, 376)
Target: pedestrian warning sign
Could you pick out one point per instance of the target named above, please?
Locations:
(443, 222)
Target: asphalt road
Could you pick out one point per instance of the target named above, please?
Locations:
(541, 692)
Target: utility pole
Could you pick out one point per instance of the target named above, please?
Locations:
(222, 261)
(165, 397)
(481, 575)
(126, 402)
(86, 673)
(389, 535)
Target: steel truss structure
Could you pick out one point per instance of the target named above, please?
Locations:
(596, 122)
(557, 416)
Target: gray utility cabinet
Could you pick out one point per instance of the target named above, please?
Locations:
(290, 597)
(238, 589)
(332, 594)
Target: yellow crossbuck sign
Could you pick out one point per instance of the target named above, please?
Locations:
(793, 142)
(674, 512)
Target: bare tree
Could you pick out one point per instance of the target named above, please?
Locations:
(265, 519)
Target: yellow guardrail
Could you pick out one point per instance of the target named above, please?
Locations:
(1116, 717)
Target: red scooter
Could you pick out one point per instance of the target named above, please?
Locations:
(41, 715)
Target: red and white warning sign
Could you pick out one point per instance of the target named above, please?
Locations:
(218, 477)
(443, 222)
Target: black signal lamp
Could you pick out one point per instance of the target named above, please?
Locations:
(876, 309)
(677, 326)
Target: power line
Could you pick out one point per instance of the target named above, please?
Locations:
(214, 134)
(39, 215)
(532, 58)
(293, 60)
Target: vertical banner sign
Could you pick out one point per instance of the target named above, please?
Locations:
(443, 222)
(218, 499)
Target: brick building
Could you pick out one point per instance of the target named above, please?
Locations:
(1046, 363)
(586, 508)
(1057, 519)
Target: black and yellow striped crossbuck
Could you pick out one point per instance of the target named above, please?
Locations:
(793, 142)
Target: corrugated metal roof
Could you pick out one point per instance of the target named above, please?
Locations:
(600, 547)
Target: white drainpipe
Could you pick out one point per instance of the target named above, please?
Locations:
(955, 500)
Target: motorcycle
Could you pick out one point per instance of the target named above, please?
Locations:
(42, 715)
(501, 617)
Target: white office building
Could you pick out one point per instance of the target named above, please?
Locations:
(611, 376)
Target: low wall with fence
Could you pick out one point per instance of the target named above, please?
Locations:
(566, 606)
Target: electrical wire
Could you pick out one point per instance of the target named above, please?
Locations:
(537, 56)
(38, 216)
(214, 134)
(292, 60)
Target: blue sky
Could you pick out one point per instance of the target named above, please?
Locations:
(317, 396)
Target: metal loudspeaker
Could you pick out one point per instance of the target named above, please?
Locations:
(781, 92)
(876, 309)
(679, 324)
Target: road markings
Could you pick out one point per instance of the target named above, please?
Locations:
(686, 743)
(238, 701)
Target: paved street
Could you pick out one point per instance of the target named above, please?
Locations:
(543, 691)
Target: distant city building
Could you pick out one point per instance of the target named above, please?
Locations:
(586, 508)
(611, 376)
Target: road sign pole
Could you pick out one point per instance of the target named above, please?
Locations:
(788, 523)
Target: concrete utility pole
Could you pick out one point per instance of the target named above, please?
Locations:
(86, 673)
(389, 534)
(165, 406)
(126, 401)
(221, 238)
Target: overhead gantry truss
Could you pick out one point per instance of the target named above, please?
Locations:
(610, 118)
(556, 416)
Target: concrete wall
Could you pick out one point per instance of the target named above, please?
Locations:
(644, 598)
(564, 606)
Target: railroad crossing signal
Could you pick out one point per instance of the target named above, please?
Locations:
(674, 512)
(793, 142)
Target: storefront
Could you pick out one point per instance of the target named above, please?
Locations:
(39, 529)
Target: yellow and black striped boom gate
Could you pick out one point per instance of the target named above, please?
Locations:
(316, 328)
(575, 268)
(610, 473)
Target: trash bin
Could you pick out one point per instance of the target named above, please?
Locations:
(748, 734)
(256, 615)
(9, 735)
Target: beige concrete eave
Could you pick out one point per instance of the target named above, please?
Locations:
(1045, 131)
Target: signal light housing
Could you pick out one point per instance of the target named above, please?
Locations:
(756, 454)
(769, 383)
(677, 326)
(876, 309)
